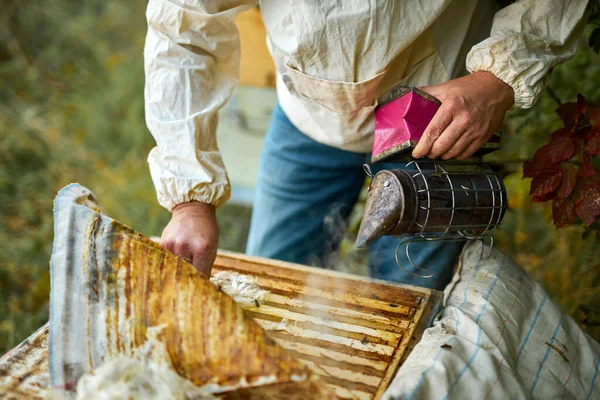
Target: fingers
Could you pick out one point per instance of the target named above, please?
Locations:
(459, 147)
(435, 91)
(470, 110)
(453, 133)
(204, 259)
(201, 256)
(434, 130)
(473, 147)
(193, 234)
(167, 243)
(177, 247)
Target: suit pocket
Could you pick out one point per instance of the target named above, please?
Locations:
(338, 96)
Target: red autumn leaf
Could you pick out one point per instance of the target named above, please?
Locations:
(541, 159)
(561, 146)
(588, 205)
(559, 133)
(528, 169)
(545, 182)
(586, 132)
(593, 145)
(544, 198)
(569, 115)
(595, 116)
(563, 213)
(567, 185)
(586, 170)
(578, 144)
(586, 157)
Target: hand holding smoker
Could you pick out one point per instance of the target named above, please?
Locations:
(427, 200)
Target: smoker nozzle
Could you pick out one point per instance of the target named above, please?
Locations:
(385, 207)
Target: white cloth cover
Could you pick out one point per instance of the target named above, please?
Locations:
(500, 336)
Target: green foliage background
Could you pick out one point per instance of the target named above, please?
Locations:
(71, 110)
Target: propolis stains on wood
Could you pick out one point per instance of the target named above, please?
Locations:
(111, 284)
(352, 331)
(24, 370)
(326, 334)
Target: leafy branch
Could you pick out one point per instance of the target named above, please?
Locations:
(562, 170)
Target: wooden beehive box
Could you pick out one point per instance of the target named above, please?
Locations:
(352, 331)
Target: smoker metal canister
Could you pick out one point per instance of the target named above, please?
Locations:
(469, 199)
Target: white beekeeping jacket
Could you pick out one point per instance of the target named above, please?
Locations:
(333, 59)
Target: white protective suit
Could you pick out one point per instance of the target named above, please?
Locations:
(334, 59)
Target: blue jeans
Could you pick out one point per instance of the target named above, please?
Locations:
(306, 191)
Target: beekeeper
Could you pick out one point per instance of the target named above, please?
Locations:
(334, 59)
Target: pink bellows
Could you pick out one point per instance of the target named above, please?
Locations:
(401, 120)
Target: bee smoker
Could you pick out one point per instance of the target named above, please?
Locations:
(426, 200)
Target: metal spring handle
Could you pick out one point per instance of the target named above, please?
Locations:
(421, 272)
